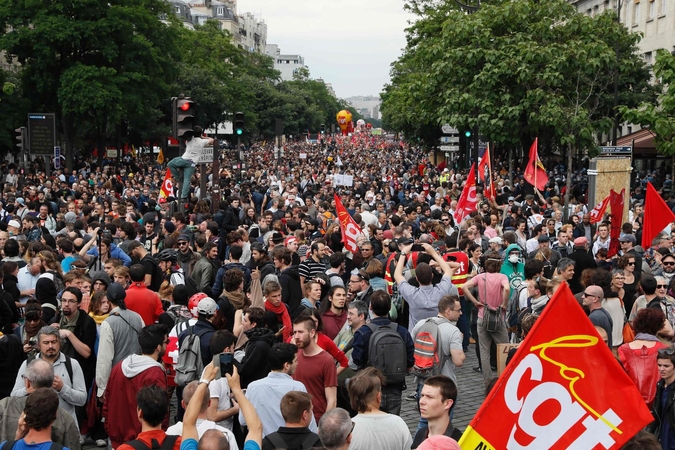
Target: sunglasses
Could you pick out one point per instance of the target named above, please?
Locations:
(631, 263)
(668, 263)
(662, 286)
(182, 243)
(361, 274)
(667, 351)
(589, 295)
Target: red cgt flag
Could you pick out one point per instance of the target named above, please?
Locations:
(599, 210)
(616, 205)
(535, 172)
(563, 390)
(167, 186)
(467, 201)
(657, 216)
(349, 228)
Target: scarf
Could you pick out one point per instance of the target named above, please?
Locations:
(98, 318)
(646, 337)
(185, 257)
(237, 299)
(282, 313)
(30, 329)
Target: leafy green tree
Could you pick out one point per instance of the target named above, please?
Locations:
(659, 116)
(92, 62)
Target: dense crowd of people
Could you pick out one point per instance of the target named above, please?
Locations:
(266, 328)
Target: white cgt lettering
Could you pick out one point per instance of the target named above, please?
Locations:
(545, 436)
(352, 232)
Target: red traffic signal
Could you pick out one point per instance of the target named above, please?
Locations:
(185, 106)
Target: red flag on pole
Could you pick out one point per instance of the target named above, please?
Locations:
(467, 201)
(349, 228)
(616, 205)
(657, 216)
(167, 186)
(484, 164)
(535, 173)
(563, 389)
(599, 210)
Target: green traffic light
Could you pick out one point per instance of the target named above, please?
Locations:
(240, 132)
(467, 133)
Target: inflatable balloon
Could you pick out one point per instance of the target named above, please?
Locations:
(344, 118)
(360, 123)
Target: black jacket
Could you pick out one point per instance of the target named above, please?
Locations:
(582, 260)
(660, 413)
(231, 220)
(291, 291)
(255, 364)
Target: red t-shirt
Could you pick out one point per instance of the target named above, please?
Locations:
(316, 373)
(147, 436)
(145, 302)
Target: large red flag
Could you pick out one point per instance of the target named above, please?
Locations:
(616, 205)
(349, 228)
(657, 216)
(599, 210)
(563, 389)
(167, 186)
(535, 173)
(467, 201)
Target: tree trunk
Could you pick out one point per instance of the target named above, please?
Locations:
(568, 189)
(511, 165)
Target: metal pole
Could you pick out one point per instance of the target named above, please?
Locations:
(475, 145)
(215, 176)
(615, 129)
(238, 159)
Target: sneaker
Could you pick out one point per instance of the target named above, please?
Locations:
(472, 340)
(101, 443)
(411, 397)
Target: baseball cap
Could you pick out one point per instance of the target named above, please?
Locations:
(21, 200)
(14, 223)
(543, 238)
(628, 238)
(495, 240)
(290, 239)
(207, 306)
(580, 241)
(115, 292)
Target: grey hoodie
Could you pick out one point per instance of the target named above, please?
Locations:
(135, 364)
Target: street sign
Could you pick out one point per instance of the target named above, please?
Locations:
(616, 151)
(57, 157)
(449, 139)
(449, 148)
(206, 157)
(41, 133)
(447, 129)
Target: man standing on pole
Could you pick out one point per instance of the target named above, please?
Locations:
(194, 147)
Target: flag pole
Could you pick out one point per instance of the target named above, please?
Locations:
(536, 154)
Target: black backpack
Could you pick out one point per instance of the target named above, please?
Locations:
(387, 352)
(279, 443)
(167, 444)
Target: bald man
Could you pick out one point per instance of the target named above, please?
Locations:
(592, 298)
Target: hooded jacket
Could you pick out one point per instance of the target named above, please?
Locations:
(255, 364)
(291, 291)
(514, 272)
(127, 378)
(115, 252)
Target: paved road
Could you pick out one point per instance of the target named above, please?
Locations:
(471, 393)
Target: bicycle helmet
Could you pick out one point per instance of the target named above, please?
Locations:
(194, 302)
(168, 254)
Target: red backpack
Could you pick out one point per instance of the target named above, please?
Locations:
(641, 367)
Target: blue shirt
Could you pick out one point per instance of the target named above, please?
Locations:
(192, 444)
(667, 432)
(265, 395)
(21, 445)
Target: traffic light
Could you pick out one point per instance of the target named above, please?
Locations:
(239, 123)
(183, 116)
(467, 133)
(323, 129)
(21, 139)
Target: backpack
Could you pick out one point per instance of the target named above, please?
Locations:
(167, 444)
(9, 445)
(279, 443)
(189, 283)
(429, 355)
(512, 316)
(189, 366)
(387, 352)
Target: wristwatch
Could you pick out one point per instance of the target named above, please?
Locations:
(204, 380)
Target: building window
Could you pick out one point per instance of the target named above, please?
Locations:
(648, 57)
(630, 130)
(177, 9)
(652, 9)
(636, 13)
(220, 11)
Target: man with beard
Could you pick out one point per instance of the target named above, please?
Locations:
(78, 331)
(128, 377)
(260, 260)
(334, 316)
(186, 257)
(68, 378)
(667, 269)
(257, 231)
(205, 270)
(316, 368)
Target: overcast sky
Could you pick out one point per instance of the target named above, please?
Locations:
(349, 43)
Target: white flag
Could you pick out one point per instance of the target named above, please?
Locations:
(339, 162)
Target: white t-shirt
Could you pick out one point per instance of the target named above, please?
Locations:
(203, 426)
(219, 389)
(194, 148)
(379, 431)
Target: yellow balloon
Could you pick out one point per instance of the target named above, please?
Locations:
(330, 159)
(343, 119)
